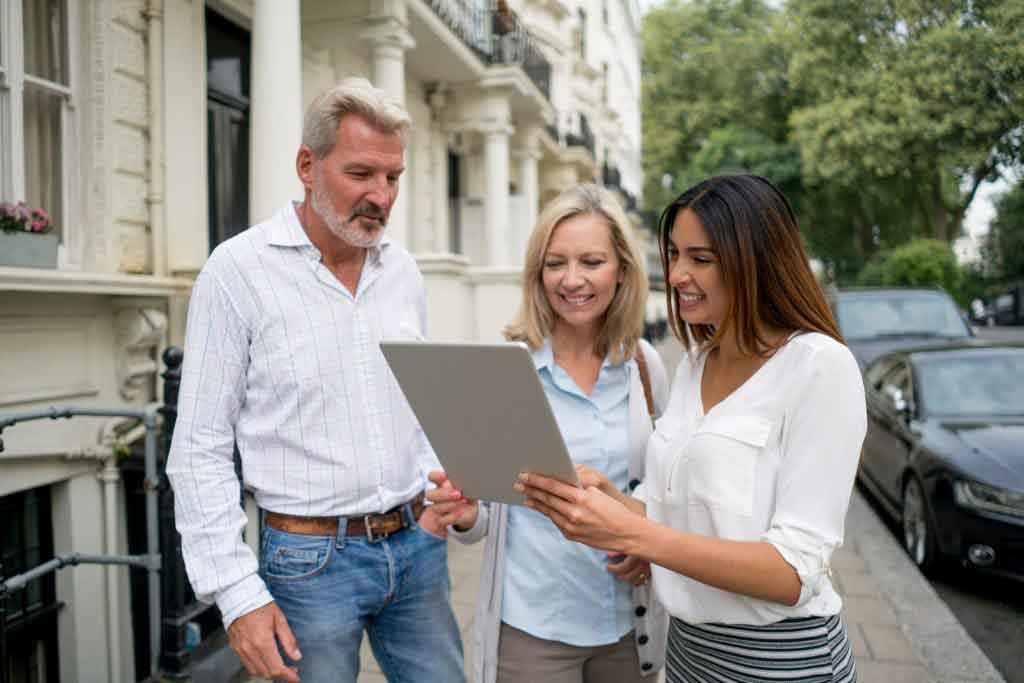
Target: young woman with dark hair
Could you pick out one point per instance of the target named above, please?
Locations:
(751, 467)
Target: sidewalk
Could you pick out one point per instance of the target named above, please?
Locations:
(901, 630)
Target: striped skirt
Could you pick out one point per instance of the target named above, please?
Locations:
(811, 649)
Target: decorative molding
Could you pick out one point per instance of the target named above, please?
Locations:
(139, 332)
(66, 282)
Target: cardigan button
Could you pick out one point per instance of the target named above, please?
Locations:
(641, 610)
(646, 666)
(642, 640)
(633, 483)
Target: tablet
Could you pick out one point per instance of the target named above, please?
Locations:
(484, 412)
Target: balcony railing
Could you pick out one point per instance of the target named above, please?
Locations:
(611, 177)
(497, 36)
(585, 138)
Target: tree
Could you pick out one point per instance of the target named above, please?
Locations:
(708, 65)
(919, 263)
(1006, 235)
(923, 96)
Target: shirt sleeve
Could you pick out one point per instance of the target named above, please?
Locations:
(479, 528)
(200, 467)
(821, 441)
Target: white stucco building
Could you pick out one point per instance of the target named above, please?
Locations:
(153, 129)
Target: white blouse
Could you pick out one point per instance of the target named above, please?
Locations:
(774, 461)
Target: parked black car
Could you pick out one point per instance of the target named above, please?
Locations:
(1008, 308)
(944, 452)
(874, 320)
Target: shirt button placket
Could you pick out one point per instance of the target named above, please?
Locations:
(364, 353)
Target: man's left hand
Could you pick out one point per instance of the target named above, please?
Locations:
(431, 523)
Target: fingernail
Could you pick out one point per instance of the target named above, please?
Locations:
(518, 487)
(523, 476)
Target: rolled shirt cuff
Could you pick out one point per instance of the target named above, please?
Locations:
(474, 533)
(243, 597)
(811, 566)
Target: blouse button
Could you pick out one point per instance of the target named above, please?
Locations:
(642, 640)
(646, 666)
(633, 483)
(641, 610)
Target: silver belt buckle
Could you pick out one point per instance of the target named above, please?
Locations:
(369, 531)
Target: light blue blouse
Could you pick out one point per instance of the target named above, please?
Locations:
(556, 589)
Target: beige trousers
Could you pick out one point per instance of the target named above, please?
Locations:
(523, 658)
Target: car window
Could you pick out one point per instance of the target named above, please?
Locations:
(911, 313)
(973, 385)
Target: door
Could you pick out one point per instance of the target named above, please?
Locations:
(227, 119)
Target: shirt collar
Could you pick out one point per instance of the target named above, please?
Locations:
(286, 231)
(544, 357)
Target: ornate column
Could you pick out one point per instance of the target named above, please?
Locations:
(387, 32)
(276, 106)
(496, 167)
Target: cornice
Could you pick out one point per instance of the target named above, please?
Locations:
(41, 280)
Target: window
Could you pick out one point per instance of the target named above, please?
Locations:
(36, 101)
(581, 34)
(29, 616)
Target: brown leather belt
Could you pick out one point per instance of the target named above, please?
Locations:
(376, 527)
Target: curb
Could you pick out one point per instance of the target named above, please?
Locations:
(939, 641)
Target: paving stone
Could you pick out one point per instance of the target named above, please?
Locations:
(868, 610)
(889, 672)
(856, 583)
(889, 644)
(858, 642)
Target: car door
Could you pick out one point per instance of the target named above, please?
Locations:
(875, 439)
(893, 438)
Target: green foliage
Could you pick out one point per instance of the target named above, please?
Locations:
(924, 95)
(877, 118)
(1007, 235)
(919, 263)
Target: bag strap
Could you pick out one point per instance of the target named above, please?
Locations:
(645, 379)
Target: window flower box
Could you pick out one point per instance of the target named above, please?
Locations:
(25, 237)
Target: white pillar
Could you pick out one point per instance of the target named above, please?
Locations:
(387, 33)
(528, 159)
(276, 106)
(441, 242)
(496, 166)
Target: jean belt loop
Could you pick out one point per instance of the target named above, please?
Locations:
(410, 516)
(339, 539)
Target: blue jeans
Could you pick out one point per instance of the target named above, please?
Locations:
(331, 589)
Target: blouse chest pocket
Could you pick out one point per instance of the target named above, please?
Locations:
(721, 462)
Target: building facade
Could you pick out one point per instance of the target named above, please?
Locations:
(152, 130)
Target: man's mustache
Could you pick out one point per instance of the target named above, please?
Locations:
(369, 210)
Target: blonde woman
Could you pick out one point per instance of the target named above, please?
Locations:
(551, 610)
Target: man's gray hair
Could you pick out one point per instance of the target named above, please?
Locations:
(351, 96)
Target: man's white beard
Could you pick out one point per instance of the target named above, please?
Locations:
(349, 230)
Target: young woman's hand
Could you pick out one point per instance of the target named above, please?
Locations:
(591, 477)
(587, 515)
(449, 505)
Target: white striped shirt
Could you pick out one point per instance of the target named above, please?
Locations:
(282, 359)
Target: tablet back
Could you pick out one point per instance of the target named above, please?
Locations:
(484, 412)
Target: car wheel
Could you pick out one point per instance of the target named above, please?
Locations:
(918, 535)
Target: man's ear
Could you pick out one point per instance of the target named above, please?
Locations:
(304, 162)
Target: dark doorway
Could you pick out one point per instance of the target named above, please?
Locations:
(227, 120)
(454, 203)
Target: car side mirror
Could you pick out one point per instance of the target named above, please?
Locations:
(898, 401)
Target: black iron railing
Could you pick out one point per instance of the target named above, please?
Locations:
(585, 138)
(611, 177)
(497, 36)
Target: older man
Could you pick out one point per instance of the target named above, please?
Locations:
(281, 357)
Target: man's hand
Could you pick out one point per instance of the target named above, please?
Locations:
(451, 508)
(254, 636)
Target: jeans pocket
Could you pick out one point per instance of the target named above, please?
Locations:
(431, 534)
(288, 557)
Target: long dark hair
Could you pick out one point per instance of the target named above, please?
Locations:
(754, 231)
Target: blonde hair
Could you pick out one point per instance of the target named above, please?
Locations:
(622, 324)
(350, 96)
